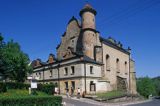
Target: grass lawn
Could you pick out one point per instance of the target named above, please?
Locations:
(19, 92)
(110, 94)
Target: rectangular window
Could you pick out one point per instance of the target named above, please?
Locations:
(91, 69)
(66, 85)
(66, 71)
(72, 70)
(125, 67)
(73, 84)
(39, 75)
(51, 73)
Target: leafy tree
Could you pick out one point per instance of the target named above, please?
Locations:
(145, 86)
(156, 82)
(14, 62)
(2, 64)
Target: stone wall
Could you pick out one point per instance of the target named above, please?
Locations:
(110, 68)
(133, 87)
(69, 41)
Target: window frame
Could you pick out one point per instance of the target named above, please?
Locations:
(65, 71)
(91, 70)
(72, 70)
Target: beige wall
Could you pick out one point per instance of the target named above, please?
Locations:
(111, 72)
(133, 87)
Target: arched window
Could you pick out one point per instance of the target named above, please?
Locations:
(117, 65)
(125, 67)
(107, 63)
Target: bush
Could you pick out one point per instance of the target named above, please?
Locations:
(47, 88)
(31, 101)
(12, 85)
(3, 87)
(17, 85)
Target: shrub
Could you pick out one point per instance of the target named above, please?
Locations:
(12, 85)
(31, 101)
(3, 87)
(47, 88)
(17, 85)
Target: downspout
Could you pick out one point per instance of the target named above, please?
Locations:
(58, 78)
(43, 74)
(85, 77)
(129, 68)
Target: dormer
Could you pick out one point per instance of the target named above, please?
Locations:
(51, 58)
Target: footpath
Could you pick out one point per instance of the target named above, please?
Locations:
(90, 101)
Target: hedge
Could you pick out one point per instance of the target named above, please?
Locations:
(14, 85)
(31, 101)
(47, 88)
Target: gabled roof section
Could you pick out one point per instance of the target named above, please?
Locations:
(37, 63)
(74, 19)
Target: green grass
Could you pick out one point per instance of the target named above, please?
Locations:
(19, 92)
(110, 94)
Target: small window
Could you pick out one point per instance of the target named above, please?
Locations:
(125, 65)
(51, 73)
(66, 71)
(72, 70)
(117, 65)
(107, 63)
(39, 75)
(91, 69)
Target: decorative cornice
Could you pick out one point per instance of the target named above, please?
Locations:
(89, 29)
(87, 10)
(105, 41)
(65, 78)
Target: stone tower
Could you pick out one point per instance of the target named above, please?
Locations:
(88, 30)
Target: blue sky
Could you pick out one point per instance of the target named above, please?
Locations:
(37, 25)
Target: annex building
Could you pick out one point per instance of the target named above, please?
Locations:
(87, 61)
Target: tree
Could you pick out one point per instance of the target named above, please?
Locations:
(2, 65)
(14, 62)
(156, 82)
(145, 86)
